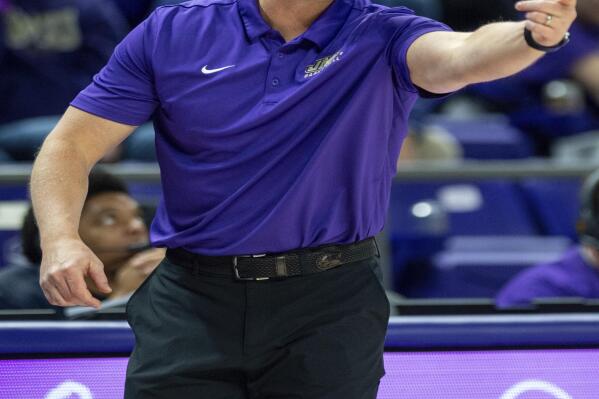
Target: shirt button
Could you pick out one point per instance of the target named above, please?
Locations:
(280, 55)
(275, 82)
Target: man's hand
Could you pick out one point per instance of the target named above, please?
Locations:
(133, 273)
(548, 20)
(65, 264)
(442, 62)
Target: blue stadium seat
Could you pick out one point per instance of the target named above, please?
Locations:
(424, 214)
(481, 208)
(145, 192)
(554, 204)
(488, 137)
(14, 192)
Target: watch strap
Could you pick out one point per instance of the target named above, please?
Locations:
(547, 49)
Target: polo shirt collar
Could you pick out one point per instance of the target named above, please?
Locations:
(321, 32)
(255, 26)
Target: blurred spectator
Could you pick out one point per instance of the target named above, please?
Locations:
(49, 50)
(559, 95)
(111, 226)
(576, 274)
(430, 143)
(134, 10)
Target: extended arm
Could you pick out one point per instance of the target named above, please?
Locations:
(441, 62)
(58, 189)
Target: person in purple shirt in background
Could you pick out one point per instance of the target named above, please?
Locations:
(576, 274)
(278, 126)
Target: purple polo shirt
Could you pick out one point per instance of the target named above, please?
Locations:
(266, 146)
(570, 276)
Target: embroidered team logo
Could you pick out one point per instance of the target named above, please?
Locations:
(321, 64)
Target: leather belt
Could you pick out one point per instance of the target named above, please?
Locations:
(276, 265)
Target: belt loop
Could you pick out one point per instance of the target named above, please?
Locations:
(281, 266)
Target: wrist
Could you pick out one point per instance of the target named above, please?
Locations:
(51, 240)
(531, 42)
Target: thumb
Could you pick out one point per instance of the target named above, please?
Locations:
(96, 272)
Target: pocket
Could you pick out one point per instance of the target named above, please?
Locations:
(142, 286)
(377, 279)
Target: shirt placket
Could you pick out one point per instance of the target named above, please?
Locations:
(277, 77)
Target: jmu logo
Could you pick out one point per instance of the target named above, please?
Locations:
(523, 387)
(70, 389)
(321, 64)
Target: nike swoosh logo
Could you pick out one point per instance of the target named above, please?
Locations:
(207, 71)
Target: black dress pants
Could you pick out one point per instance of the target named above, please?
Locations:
(203, 336)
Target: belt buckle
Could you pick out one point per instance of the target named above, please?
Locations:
(236, 270)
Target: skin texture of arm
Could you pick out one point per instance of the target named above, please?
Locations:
(58, 189)
(441, 62)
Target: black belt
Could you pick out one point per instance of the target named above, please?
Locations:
(276, 265)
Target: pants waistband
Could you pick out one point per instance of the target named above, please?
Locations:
(276, 265)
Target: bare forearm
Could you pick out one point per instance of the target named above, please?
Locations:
(59, 183)
(58, 188)
(495, 51)
(499, 50)
(492, 52)
(441, 62)
(59, 179)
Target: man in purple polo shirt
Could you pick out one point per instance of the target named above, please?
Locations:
(575, 274)
(278, 127)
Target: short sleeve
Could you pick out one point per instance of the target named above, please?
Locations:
(123, 91)
(404, 28)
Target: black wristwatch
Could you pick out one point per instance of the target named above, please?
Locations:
(532, 43)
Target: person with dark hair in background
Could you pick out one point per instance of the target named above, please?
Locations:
(279, 123)
(49, 50)
(576, 274)
(113, 228)
(19, 288)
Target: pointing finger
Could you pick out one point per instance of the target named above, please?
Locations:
(568, 3)
(546, 7)
(96, 272)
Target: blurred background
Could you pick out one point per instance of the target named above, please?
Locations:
(490, 251)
